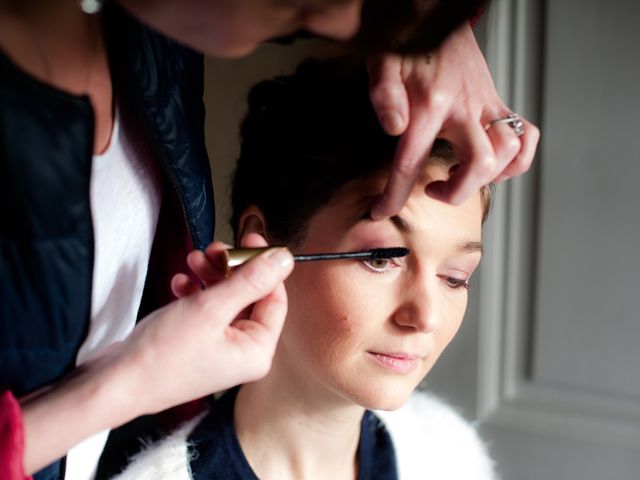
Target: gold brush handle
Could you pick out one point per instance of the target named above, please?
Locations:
(237, 256)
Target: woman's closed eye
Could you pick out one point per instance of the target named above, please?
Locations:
(456, 283)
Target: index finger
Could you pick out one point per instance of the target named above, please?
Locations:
(388, 92)
(412, 152)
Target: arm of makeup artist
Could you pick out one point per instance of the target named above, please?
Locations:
(447, 94)
(188, 341)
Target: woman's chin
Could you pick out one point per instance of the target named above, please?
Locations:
(389, 404)
(383, 398)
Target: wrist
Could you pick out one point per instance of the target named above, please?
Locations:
(114, 386)
(92, 398)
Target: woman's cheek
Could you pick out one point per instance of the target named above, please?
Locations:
(452, 324)
(317, 302)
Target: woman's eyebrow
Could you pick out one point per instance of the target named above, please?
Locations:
(404, 226)
(471, 247)
(401, 224)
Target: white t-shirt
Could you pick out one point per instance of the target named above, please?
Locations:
(125, 204)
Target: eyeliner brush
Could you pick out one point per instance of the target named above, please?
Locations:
(237, 256)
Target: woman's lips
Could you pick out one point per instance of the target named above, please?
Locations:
(397, 362)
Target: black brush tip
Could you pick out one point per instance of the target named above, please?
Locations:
(394, 252)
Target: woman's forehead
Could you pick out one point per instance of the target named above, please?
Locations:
(354, 200)
(367, 189)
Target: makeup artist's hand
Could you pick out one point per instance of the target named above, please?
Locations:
(448, 94)
(205, 342)
(192, 347)
(218, 337)
(208, 266)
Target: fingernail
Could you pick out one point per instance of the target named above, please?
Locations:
(218, 246)
(391, 122)
(281, 256)
(376, 214)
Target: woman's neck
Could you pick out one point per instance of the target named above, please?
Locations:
(58, 44)
(292, 427)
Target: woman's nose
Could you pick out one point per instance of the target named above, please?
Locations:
(340, 22)
(417, 310)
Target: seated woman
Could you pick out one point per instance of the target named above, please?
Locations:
(360, 335)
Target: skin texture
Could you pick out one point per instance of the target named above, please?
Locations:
(340, 312)
(234, 28)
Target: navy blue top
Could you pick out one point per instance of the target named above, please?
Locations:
(217, 453)
(46, 229)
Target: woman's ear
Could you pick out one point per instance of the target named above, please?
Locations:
(252, 228)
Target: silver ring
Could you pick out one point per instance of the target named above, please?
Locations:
(513, 120)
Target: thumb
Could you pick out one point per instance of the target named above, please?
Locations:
(253, 280)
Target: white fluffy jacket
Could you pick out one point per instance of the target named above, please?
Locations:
(432, 442)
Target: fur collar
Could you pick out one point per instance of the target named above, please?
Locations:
(432, 441)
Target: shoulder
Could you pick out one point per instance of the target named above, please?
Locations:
(167, 459)
(434, 441)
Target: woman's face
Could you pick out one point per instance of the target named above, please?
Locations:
(369, 331)
(232, 28)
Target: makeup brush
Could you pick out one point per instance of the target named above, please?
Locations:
(237, 256)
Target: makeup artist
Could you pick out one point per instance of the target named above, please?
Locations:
(105, 186)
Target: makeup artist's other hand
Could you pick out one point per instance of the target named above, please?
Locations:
(448, 94)
(209, 340)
